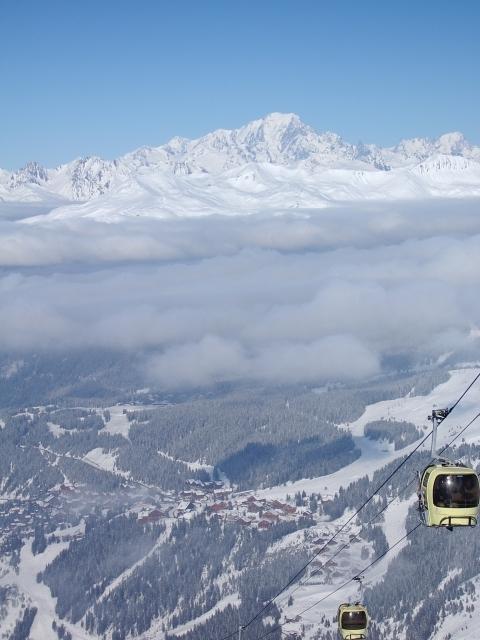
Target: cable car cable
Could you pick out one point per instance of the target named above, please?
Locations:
(317, 553)
(347, 544)
(400, 491)
(390, 476)
(347, 522)
(364, 504)
(342, 586)
(460, 433)
(268, 604)
(464, 394)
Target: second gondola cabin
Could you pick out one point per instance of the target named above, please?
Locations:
(352, 621)
(449, 495)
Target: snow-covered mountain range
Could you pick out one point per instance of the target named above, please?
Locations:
(274, 163)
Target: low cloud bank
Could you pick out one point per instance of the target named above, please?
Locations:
(213, 360)
(280, 300)
(86, 241)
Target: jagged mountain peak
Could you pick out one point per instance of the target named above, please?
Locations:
(31, 173)
(281, 133)
(417, 148)
(275, 123)
(453, 143)
(277, 138)
(281, 118)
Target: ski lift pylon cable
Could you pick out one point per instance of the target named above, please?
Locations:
(346, 523)
(385, 507)
(335, 535)
(343, 585)
(351, 518)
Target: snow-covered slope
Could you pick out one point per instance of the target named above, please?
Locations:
(414, 409)
(453, 144)
(411, 408)
(308, 606)
(276, 189)
(277, 162)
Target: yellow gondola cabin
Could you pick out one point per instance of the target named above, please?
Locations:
(352, 621)
(449, 495)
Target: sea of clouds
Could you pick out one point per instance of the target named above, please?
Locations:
(307, 298)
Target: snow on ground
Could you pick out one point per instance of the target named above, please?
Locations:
(161, 540)
(416, 409)
(158, 192)
(38, 593)
(349, 564)
(309, 595)
(193, 466)
(411, 408)
(395, 516)
(461, 625)
(97, 458)
(247, 168)
(292, 540)
(374, 455)
(232, 599)
(105, 460)
(70, 532)
(11, 610)
(57, 431)
(118, 423)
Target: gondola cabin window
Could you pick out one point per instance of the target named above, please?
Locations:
(456, 491)
(354, 620)
(424, 488)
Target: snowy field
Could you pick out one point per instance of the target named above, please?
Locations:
(118, 423)
(411, 408)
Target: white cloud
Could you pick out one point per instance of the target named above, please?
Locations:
(269, 299)
(335, 357)
(214, 359)
(206, 362)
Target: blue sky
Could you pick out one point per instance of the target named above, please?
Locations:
(89, 77)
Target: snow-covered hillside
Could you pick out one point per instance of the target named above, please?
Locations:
(275, 163)
(414, 409)
(299, 608)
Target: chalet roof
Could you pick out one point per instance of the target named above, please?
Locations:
(271, 516)
(218, 506)
(185, 505)
(286, 508)
(156, 513)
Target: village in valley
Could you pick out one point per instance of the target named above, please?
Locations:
(217, 500)
(211, 498)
